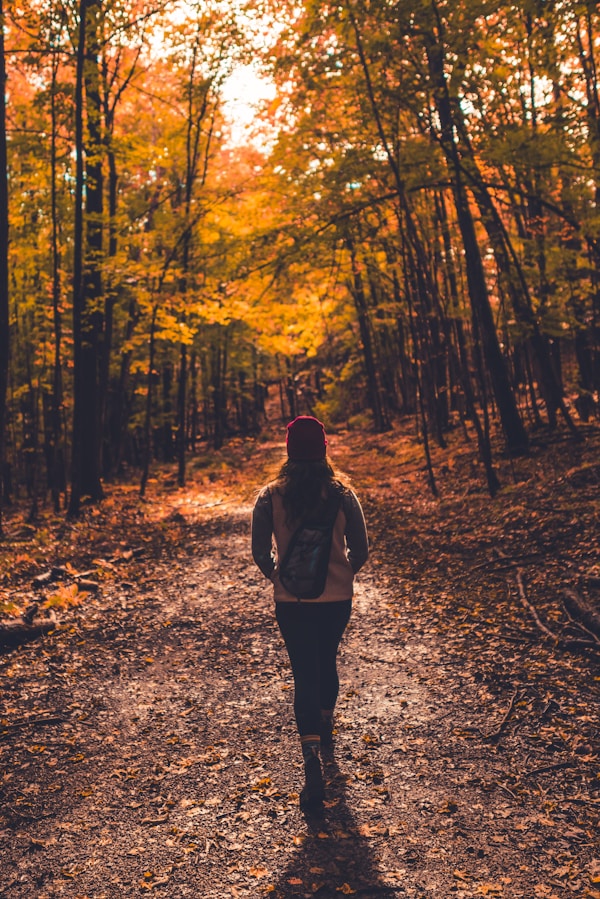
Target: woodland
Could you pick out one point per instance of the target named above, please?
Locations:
(215, 216)
(407, 228)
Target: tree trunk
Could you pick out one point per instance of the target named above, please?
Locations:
(119, 411)
(507, 261)
(220, 361)
(483, 437)
(147, 448)
(181, 415)
(111, 423)
(78, 297)
(94, 340)
(4, 318)
(167, 447)
(380, 420)
(590, 67)
(416, 341)
(87, 258)
(193, 414)
(196, 167)
(107, 449)
(56, 454)
(514, 431)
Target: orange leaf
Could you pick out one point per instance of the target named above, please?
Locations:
(259, 872)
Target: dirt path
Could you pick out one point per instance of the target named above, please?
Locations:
(150, 745)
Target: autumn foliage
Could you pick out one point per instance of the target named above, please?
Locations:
(407, 230)
(402, 238)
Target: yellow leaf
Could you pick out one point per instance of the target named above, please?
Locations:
(68, 595)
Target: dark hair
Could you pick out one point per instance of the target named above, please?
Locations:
(304, 485)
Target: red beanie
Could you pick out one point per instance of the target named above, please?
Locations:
(306, 439)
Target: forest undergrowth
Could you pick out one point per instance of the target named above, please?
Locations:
(148, 742)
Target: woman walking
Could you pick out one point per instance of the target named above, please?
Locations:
(308, 493)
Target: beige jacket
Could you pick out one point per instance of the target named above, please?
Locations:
(349, 548)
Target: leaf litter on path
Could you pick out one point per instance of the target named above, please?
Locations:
(149, 743)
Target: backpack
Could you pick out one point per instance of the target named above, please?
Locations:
(303, 570)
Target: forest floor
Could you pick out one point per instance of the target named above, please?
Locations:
(148, 742)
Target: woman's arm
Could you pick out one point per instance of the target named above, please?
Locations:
(357, 539)
(262, 533)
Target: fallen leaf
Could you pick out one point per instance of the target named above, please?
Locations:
(448, 808)
(461, 875)
(152, 822)
(70, 875)
(38, 844)
(258, 872)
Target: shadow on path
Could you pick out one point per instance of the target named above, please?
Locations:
(335, 858)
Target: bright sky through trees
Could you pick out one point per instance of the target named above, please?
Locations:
(245, 88)
(243, 93)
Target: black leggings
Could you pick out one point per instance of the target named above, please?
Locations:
(312, 632)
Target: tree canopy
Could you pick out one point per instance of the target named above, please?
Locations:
(410, 226)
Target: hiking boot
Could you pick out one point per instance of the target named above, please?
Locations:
(314, 788)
